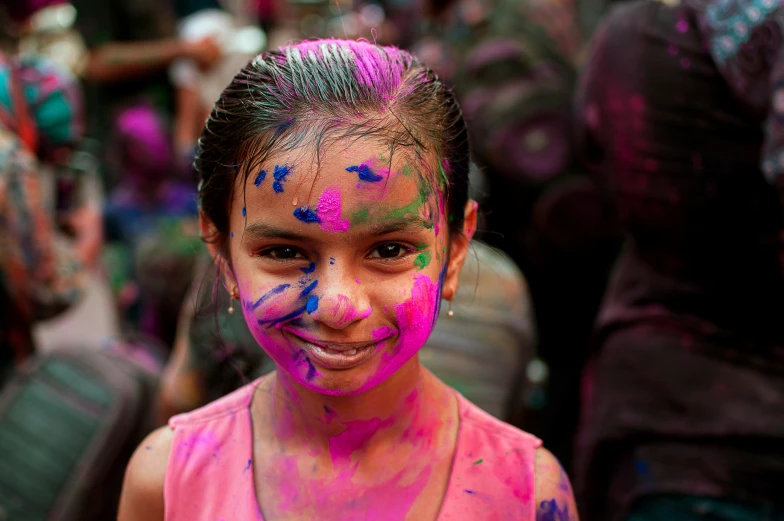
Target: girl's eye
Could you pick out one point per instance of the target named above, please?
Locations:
(282, 253)
(389, 251)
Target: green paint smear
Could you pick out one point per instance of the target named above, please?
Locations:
(360, 216)
(478, 462)
(422, 260)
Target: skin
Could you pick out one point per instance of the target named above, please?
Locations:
(373, 441)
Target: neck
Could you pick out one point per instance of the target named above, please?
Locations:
(410, 401)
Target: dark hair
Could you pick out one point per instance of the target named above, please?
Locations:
(332, 89)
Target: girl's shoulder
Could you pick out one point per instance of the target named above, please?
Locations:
(232, 403)
(476, 423)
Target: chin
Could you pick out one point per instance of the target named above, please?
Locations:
(331, 384)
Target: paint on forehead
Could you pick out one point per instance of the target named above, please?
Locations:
(365, 173)
(280, 174)
(306, 215)
(329, 210)
(283, 126)
(360, 217)
(260, 177)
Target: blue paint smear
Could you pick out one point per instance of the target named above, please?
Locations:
(232, 235)
(328, 410)
(310, 269)
(549, 511)
(280, 174)
(312, 304)
(282, 127)
(261, 177)
(244, 213)
(331, 261)
(365, 173)
(470, 492)
(311, 370)
(310, 288)
(307, 215)
(271, 293)
(250, 462)
(294, 314)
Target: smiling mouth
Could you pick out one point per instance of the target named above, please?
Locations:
(336, 355)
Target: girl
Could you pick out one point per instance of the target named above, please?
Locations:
(334, 201)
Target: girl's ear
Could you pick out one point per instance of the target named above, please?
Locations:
(214, 243)
(458, 250)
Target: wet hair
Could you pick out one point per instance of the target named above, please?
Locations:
(320, 91)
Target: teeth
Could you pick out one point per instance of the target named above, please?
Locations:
(351, 352)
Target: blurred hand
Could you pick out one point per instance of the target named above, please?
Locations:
(206, 52)
(86, 224)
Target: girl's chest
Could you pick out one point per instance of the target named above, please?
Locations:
(399, 489)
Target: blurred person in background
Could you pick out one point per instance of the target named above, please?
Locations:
(514, 67)
(234, 27)
(681, 116)
(131, 44)
(482, 352)
(151, 230)
(41, 269)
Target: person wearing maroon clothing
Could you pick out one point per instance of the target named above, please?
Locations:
(680, 117)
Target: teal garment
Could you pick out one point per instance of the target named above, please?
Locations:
(53, 98)
(677, 507)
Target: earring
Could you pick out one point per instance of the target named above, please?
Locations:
(449, 312)
(231, 303)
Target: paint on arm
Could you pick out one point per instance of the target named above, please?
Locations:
(554, 496)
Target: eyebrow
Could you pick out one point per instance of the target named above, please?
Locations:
(402, 225)
(259, 230)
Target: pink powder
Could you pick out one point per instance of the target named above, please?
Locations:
(356, 435)
(329, 207)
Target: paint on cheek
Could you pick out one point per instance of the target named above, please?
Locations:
(382, 333)
(268, 295)
(329, 207)
(312, 304)
(422, 260)
(260, 177)
(303, 358)
(331, 261)
(306, 215)
(416, 316)
(280, 174)
(310, 269)
(365, 173)
(244, 213)
(309, 288)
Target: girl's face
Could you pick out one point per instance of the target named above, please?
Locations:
(340, 275)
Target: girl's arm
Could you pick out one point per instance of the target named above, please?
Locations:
(554, 497)
(142, 494)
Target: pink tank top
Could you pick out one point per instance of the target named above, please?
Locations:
(210, 478)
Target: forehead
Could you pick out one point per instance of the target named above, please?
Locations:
(355, 181)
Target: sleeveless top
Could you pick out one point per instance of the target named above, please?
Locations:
(209, 476)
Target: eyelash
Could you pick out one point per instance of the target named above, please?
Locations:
(406, 251)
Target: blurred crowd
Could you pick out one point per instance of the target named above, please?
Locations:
(621, 303)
